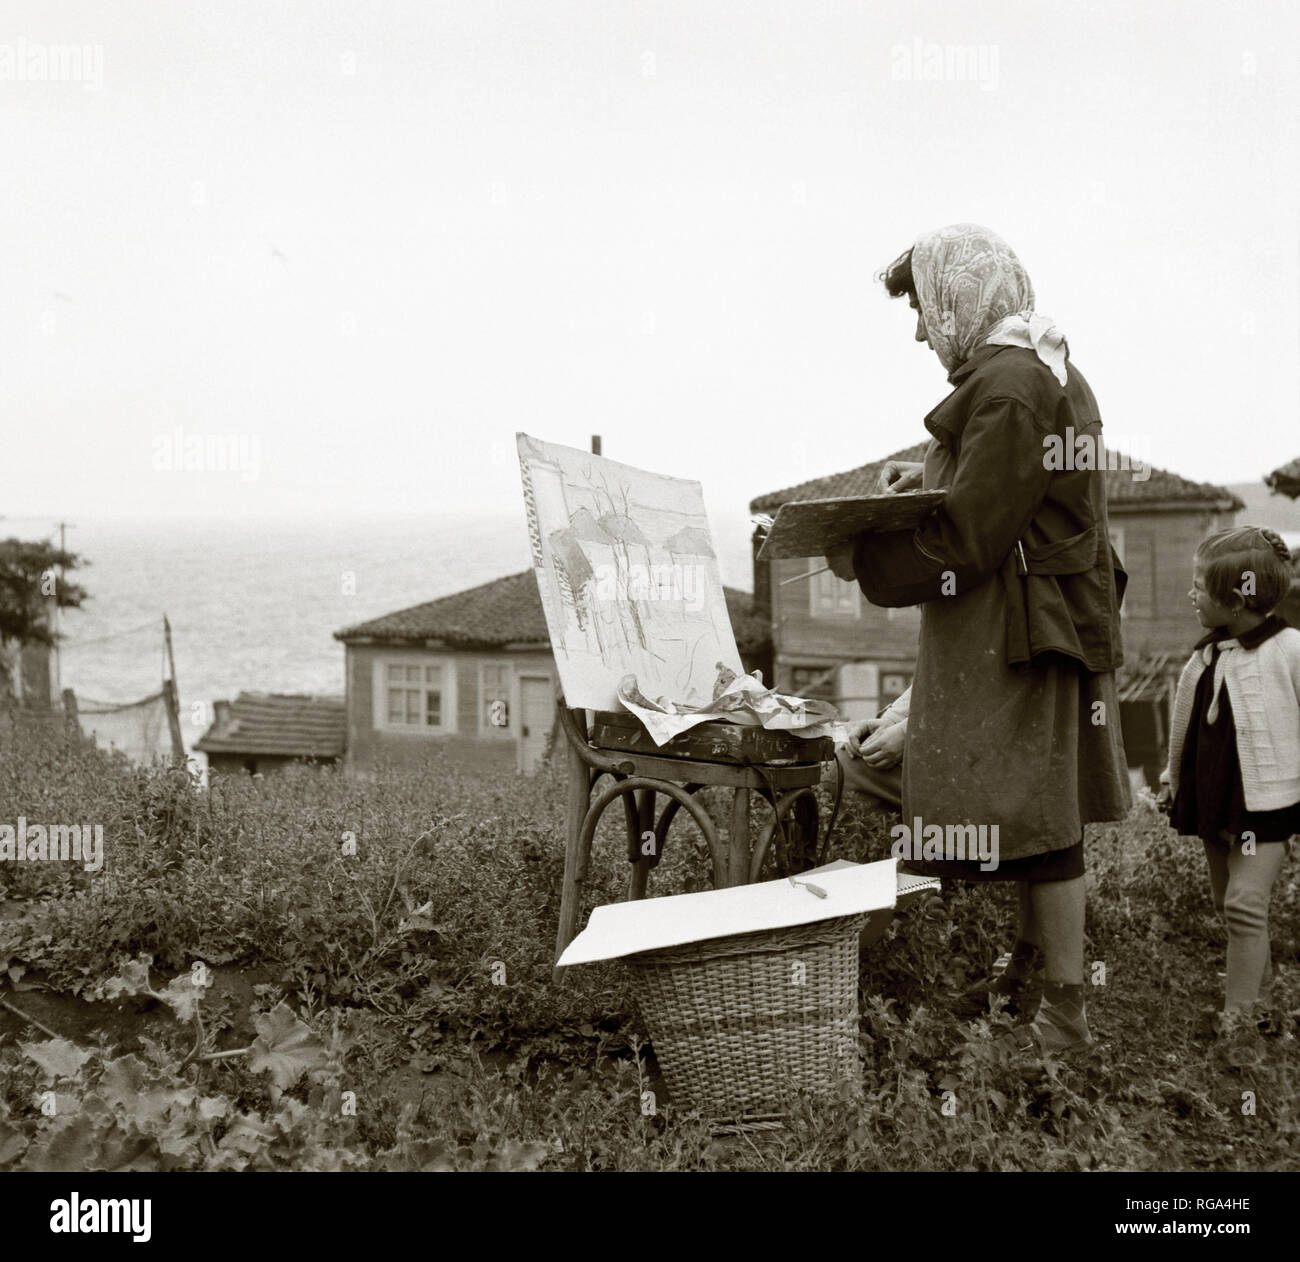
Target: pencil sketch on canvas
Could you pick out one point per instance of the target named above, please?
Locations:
(628, 577)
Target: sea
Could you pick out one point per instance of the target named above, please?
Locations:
(254, 603)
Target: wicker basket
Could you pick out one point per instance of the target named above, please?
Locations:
(740, 1024)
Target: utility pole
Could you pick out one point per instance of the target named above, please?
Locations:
(172, 696)
(58, 616)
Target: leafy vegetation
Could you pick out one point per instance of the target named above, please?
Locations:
(316, 972)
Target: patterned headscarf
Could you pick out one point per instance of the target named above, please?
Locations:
(973, 292)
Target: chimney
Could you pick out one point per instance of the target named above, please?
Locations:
(221, 713)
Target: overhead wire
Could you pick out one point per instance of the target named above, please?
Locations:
(112, 635)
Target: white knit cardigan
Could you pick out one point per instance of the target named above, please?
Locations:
(1264, 689)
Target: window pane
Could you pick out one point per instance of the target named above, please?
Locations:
(433, 674)
(394, 672)
(396, 708)
(823, 592)
(433, 710)
(413, 674)
(812, 681)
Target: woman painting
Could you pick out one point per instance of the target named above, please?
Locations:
(1014, 719)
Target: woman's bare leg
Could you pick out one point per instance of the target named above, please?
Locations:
(1058, 909)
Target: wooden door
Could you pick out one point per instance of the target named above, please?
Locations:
(536, 715)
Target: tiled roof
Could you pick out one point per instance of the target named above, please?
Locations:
(505, 611)
(1286, 480)
(1122, 489)
(278, 723)
(509, 611)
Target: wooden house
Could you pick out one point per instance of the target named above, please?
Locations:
(260, 732)
(827, 641)
(472, 674)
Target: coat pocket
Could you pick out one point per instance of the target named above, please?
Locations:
(1074, 555)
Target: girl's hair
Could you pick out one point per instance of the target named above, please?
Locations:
(1246, 561)
(898, 277)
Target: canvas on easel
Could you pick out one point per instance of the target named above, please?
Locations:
(628, 577)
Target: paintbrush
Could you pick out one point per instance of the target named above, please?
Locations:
(764, 523)
(821, 569)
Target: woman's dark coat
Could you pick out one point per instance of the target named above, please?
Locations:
(1015, 719)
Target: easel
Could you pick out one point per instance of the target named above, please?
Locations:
(639, 777)
(784, 769)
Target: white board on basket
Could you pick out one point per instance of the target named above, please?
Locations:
(628, 577)
(650, 924)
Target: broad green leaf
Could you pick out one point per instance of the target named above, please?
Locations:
(57, 1058)
(132, 979)
(179, 1138)
(291, 1115)
(155, 1107)
(183, 996)
(285, 1047)
(247, 1135)
(120, 1150)
(67, 1147)
(123, 1080)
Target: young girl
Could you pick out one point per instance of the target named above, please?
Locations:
(1233, 778)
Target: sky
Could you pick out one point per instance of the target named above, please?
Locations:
(337, 254)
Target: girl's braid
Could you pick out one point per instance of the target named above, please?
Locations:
(1276, 542)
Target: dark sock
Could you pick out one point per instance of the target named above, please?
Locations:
(1024, 960)
(1065, 998)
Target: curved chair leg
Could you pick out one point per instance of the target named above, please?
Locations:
(630, 785)
(805, 822)
(644, 823)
